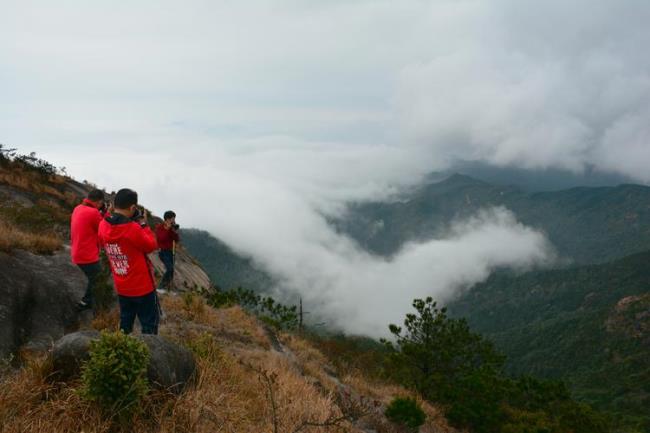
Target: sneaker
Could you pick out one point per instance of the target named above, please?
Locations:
(81, 306)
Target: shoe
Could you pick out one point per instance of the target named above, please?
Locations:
(81, 306)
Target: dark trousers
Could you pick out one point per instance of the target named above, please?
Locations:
(145, 308)
(92, 271)
(167, 257)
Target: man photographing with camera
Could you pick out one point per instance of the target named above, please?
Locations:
(127, 239)
(167, 235)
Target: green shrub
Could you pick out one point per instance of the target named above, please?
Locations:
(405, 411)
(266, 308)
(447, 363)
(115, 374)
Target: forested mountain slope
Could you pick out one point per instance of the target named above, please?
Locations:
(589, 326)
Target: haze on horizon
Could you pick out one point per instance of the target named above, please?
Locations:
(255, 119)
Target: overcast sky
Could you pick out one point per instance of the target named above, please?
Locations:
(247, 116)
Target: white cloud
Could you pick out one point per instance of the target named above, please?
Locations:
(544, 85)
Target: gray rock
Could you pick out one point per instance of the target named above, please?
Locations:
(37, 298)
(70, 352)
(170, 365)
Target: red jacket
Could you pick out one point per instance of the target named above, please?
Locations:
(166, 237)
(83, 233)
(127, 244)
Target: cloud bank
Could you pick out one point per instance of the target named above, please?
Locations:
(547, 85)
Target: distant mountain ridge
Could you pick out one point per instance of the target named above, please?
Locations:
(227, 269)
(585, 224)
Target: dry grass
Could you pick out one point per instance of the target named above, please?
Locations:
(39, 243)
(32, 182)
(241, 387)
(312, 362)
(232, 324)
(385, 393)
(30, 403)
(230, 395)
(106, 320)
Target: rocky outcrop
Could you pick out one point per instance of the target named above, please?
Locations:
(170, 367)
(70, 352)
(37, 298)
(188, 274)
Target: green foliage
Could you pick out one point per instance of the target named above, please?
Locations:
(352, 354)
(266, 308)
(405, 411)
(447, 363)
(584, 325)
(6, 155)
(435, 352)
(115, 374)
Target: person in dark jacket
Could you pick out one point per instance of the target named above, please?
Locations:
(84, 224)
(167, 235)
(127, 239)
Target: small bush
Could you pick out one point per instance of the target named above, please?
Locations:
(115, 374)
(406, 411)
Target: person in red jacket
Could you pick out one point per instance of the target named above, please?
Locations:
(167, 235)
(84, 224)
(127, 239)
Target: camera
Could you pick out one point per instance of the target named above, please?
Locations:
(175, 226)
(137, 215)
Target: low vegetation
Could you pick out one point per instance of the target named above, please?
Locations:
(35, 204)
(407, 412)
(265, 307)
(243, 385)
(115, 375)
(12, 237)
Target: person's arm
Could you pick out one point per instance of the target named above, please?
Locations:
(143, 238)
(174, 235)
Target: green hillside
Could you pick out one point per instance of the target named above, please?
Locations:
(588, 225)
(225, 268)
(586, 325)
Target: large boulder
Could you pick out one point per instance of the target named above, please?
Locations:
(170, 365)
(70, 352)
(37, 299)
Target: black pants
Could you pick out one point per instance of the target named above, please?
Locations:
(167, 257)
(145, 308)
(92, 271)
